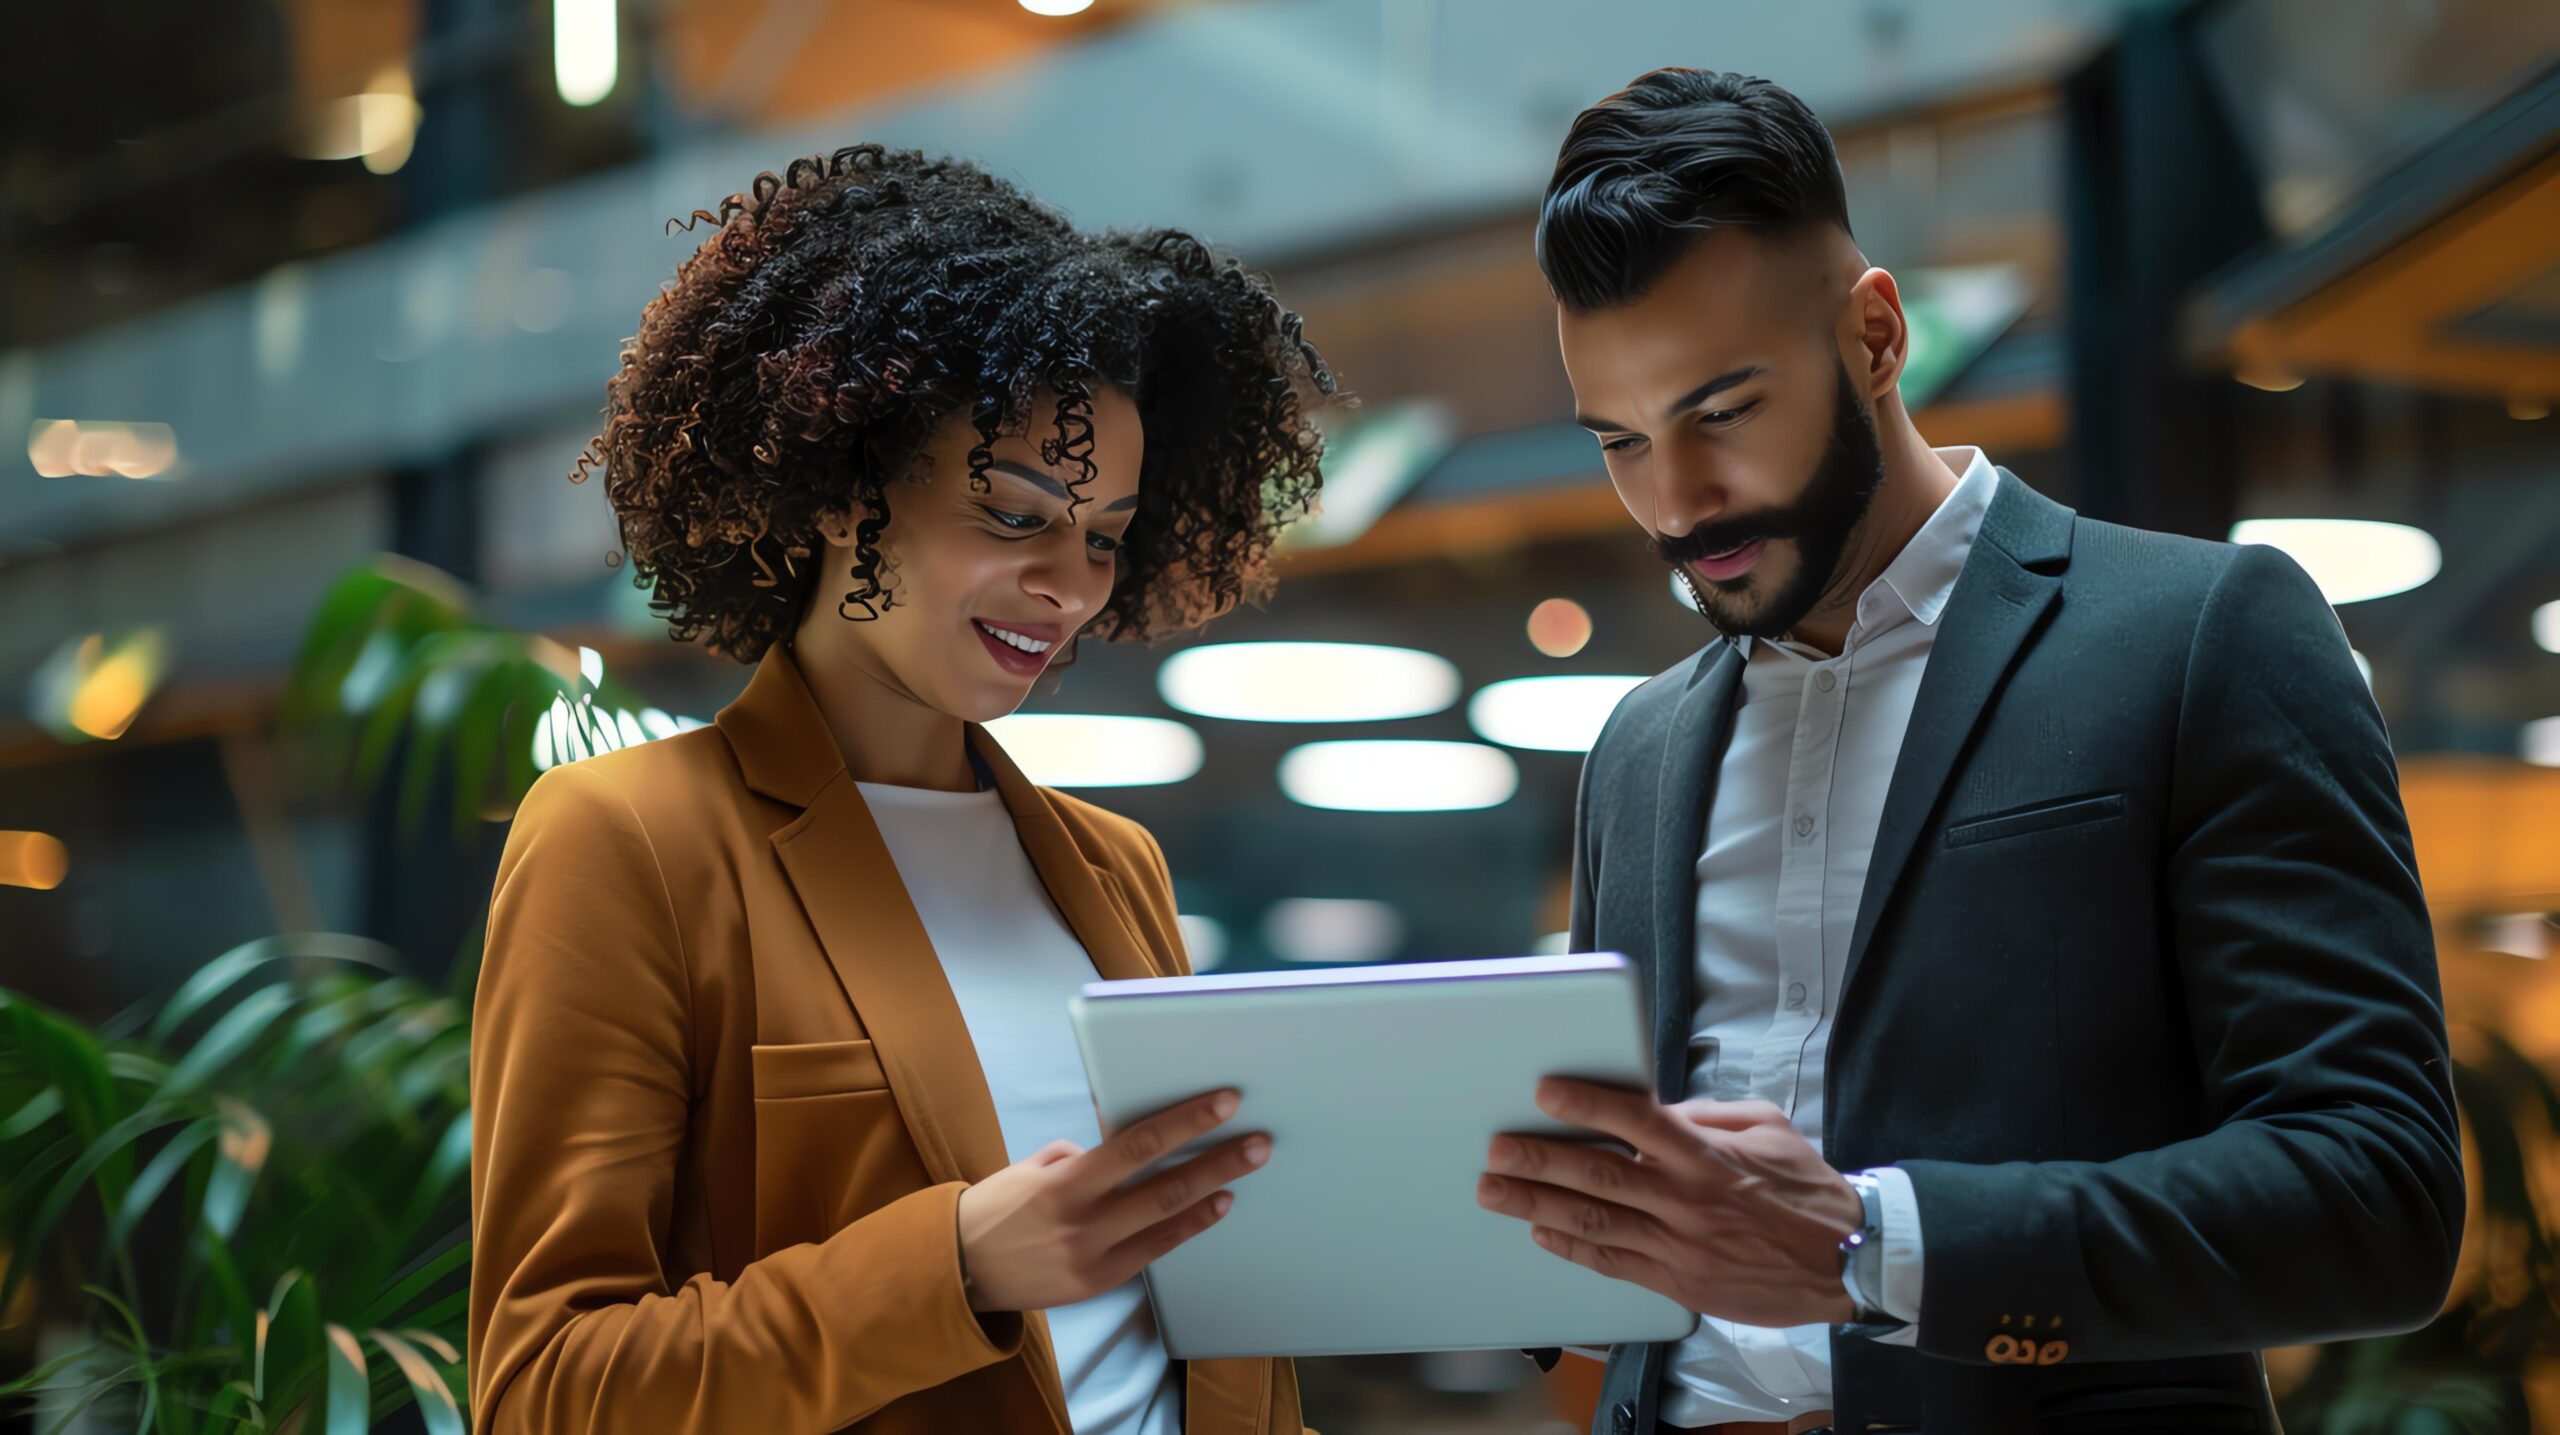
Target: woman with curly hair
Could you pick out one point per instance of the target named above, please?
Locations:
(779, 1126)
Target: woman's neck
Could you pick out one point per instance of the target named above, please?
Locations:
(887, 734)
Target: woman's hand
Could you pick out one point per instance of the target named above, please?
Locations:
(1059, 1227)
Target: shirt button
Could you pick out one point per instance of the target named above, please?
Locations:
(1804, 824)
(1826, 680)
(1795, 995)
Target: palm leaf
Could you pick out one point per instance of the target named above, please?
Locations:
(350, 1394)
(434, 1396)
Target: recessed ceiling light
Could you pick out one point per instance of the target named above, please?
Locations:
(1307, 682)
(1057, 8)
(1399, 776)
(104, 448)
(2269, 378)
(1204, 939)
(585, 55)
(1082, 750)
(1332, 929)
(2546, 627)
(2352, 559)
(1558, 714)
(2541, 745)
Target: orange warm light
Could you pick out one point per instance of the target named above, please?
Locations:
(2487, 842)
(33, 859)
(1559, 627)
(94, 688)
(2489, 855)
(112, 686)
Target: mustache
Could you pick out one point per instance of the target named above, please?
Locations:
(1701, 543)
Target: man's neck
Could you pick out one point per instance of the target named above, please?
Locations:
(1916, 481)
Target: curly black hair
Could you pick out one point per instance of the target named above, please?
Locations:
(803, 356)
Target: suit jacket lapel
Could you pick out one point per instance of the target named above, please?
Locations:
(1691, 754)
(2011, 577)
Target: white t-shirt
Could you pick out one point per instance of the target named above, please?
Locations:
(1012, 962)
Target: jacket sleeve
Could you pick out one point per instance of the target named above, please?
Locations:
(1582, 920)
(582, 1065)
(2326, 1201)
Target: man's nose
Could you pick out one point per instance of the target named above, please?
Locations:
(1687, 495)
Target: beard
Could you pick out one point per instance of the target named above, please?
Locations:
(1820, 523)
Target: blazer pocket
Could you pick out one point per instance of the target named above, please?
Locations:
(816, 1068)
(830, 1144)
(2040, 817)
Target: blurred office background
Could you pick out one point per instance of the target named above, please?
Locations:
(289, 285)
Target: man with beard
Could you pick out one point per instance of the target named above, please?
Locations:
(2045, 1008)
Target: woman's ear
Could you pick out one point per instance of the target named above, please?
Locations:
(837, 528)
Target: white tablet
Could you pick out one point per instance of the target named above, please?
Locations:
(1380, 1087)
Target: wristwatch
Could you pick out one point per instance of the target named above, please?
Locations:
(1862, 1254)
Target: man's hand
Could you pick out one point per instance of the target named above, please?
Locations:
(1723, 1208)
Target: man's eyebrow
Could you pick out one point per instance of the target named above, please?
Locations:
(1689, 400)
(1049, 485)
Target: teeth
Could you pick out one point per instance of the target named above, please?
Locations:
(1028, 645)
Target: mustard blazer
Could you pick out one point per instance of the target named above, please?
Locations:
(724, 1104)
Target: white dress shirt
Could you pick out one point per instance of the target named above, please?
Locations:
(1788, 840)
(1012, 963)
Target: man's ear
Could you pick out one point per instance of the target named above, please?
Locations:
(1878, 338)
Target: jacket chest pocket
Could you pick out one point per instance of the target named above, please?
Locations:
(2050, 816)
(830, 1143)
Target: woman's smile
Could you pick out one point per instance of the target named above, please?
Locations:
(1021, 649)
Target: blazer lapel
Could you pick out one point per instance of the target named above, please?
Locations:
(1692, 752)
(1064, 869)
(2010, 579)
(848, 885)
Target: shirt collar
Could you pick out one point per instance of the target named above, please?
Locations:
(1922, 577)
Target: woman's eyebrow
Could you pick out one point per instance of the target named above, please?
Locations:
(1049, 485)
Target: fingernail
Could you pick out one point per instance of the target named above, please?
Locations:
(1539, 1234)
(1489, 1189)
(1225, 1105)
(1504, 1152)
(1221, 1201)
(1257, 1151)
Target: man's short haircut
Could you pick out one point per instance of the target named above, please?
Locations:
(1672, 156)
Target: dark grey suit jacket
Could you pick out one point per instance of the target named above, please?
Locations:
(2142, 990)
